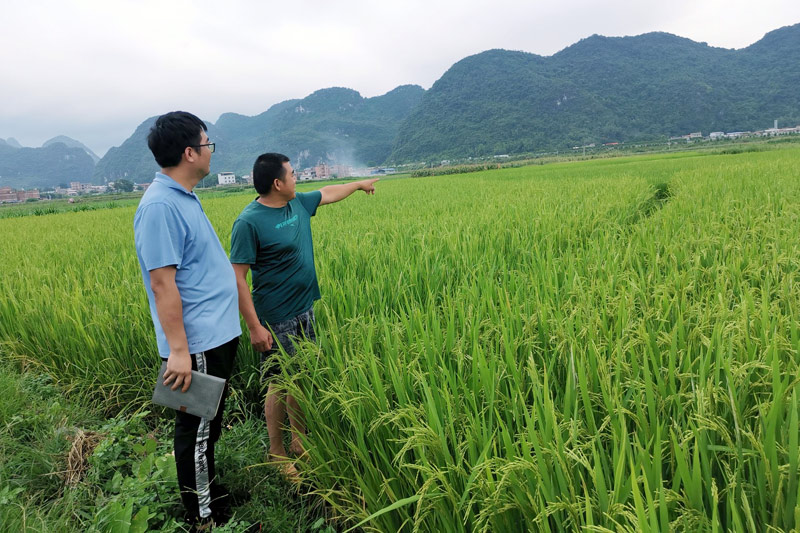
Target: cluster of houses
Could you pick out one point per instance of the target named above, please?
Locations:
(76, 188)
(9, 195)
(769, 132)
(719, 135)
(322, 171)
(13, 196)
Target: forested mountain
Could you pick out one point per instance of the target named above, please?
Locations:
(72, 143)
(332, 125)
(603, 89)
(48, 166)
(131, 160)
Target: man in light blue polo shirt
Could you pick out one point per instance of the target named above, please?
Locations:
(193, 298)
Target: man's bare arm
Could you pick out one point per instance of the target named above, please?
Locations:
(170, 314)
(334, 193)
(260, 337)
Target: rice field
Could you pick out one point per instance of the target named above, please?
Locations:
(595, 346)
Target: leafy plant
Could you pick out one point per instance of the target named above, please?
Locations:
(600, 345)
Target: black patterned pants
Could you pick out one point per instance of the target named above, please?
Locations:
(195, 438)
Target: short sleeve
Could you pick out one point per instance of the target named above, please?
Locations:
(160, 236)
(244, 243)
(310, 201)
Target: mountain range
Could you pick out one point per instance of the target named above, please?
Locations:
(54, 163)
(603, 89)
(336, 125)
(600, 89)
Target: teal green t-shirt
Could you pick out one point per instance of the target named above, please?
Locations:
(276, 243)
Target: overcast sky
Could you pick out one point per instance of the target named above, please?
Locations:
(95, 69)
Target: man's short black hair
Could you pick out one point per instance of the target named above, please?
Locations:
(268, 168)
(171, 134)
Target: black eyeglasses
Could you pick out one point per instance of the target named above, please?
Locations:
(210, 146)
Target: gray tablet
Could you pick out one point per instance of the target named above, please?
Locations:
(202, 399)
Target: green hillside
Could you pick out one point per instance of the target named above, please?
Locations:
(131, 160)
(72, 143)
(603, 89)
(48, 166)
(333, 125)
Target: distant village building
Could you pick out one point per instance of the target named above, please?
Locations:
(689, 137)
(11, 196)
(325, 171)
(774, 132)
(226, 178)
(716, 135)
(341, 171)
(76, 188)
(66, 192)
(7, 194)
(322, 171)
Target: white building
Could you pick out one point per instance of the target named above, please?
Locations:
(226, 178)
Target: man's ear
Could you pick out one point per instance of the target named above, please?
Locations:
(189, 154)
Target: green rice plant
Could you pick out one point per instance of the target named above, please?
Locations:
(608, 345)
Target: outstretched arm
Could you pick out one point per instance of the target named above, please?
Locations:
(334, 193)
(260, 337)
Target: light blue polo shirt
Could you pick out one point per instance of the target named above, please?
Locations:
(171, 228)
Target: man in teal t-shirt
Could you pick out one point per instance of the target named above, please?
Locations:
(272, 236)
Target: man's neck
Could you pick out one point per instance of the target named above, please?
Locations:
(271, 200)
(185, 179)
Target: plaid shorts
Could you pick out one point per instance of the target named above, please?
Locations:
(284, 335)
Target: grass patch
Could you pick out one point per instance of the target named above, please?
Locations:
(742, 149)
(63, 468)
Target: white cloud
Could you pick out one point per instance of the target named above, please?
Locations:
(94, 69)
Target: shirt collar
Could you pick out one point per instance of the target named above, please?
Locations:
(171, 183)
